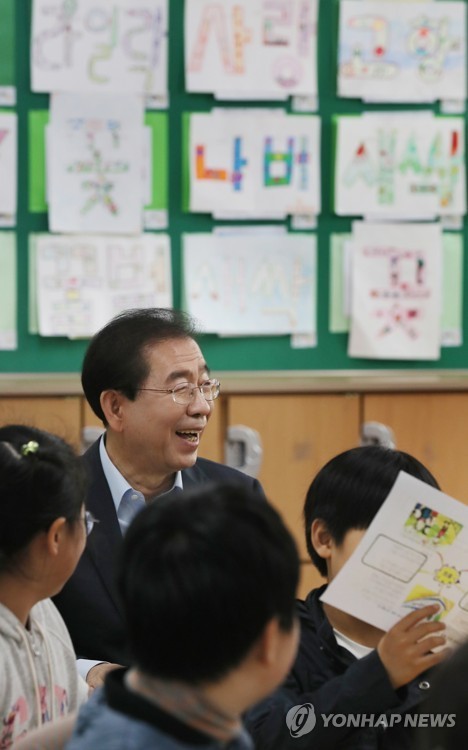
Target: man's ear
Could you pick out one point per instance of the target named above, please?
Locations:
(111, 404)
(55, 535)
(322, 540)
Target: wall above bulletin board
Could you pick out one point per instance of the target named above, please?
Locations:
(306, 187)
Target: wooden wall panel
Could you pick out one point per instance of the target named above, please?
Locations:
(431, 426)
(61, 415)
(299, 434)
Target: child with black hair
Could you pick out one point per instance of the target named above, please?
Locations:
(345, 667)
(207, 582)
(42, 535)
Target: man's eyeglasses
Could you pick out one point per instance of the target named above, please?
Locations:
(89, 522)
(184, 393)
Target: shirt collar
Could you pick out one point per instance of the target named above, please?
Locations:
(118, 485)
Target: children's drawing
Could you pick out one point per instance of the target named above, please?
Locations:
(402, 52)
(253, 48)
(414, 553)
(396, 294)
(88, 46)
(254, 164)
(83, 281)
(427, 525)
(94, 157)
(8, 168)
(8, 301)
(260, 285)
(400, 167)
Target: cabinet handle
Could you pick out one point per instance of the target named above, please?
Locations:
(376, 433)
(243, 449)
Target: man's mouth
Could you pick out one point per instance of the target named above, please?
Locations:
(192, 437)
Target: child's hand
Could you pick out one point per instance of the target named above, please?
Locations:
(405, 651)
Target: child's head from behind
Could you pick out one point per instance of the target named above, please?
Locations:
(346, 494)
(202, 575)
(42, 492)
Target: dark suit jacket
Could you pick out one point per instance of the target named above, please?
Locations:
(89, 601)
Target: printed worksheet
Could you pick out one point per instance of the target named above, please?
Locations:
(89, 46)
(254, 164)
(251, 48)
(8, 168)
(400, 166)
(396, 291)
(82, 282)
(414, 553)
(95, 174)
(251, 285)
(8, 301)
(402, 52)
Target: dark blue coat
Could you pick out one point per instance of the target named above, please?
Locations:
(89, 602)
(332, 680)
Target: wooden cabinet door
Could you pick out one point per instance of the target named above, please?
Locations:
(60, 415)
(431, 426)
(299, 434)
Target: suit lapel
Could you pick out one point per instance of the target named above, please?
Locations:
(105, 540)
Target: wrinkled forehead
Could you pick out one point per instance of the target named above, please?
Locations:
(175, 359)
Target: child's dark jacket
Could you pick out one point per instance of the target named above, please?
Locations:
(335, 682)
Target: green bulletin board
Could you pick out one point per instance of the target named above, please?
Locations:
(40, 354)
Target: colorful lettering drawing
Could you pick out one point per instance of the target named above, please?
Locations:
(400, 167)
(402, 52)
(8, 168)
(94, 159)
(262, 285)
(254, 47)
(254, 165)
(86, 46)
(428, 525)
(395, 291)
(83, 281)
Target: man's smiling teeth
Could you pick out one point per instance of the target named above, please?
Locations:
(191, 436)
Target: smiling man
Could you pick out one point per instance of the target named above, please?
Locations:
(145, 377)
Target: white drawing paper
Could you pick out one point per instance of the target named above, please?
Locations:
(414, 553)
(255, 164)
(251, 48)
(396, 291)
(95, 149)
(8, 292)
(8, 168)
(88, 46)
(251, 285)
(83, 281)
(400, 166)
(402, 52)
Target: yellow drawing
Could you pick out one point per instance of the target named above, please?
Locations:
(420, 597)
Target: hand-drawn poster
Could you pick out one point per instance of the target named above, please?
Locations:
(403, 52)
(254, 164)
(251, 48)
(452, 286)
(400, 166)
(251, 285)
(94, 159)
(396, 291)
(8, 168)
(414, 553)
(7, 53)
(90, 46)
(8, 325)
(81, 282)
